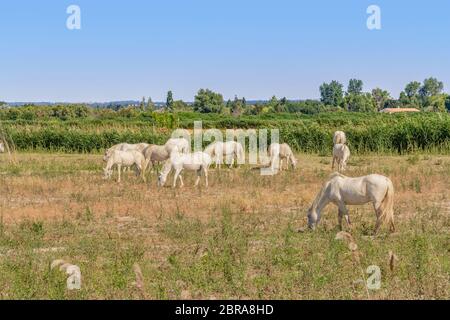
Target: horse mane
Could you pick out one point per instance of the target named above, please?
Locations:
(324, 186)
(319, 195)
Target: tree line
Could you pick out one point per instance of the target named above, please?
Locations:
(426, 96)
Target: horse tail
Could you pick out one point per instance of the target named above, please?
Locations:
(387, 205)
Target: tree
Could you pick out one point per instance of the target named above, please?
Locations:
(360, 103)
(142, 105)
(436, 103)
(237, 107)
(431, 87)
(207, 101)
(169, 101)
(403, 99)
(179, 105)
(447, 103)
(331, 94)
(150, 104)
(355, 86)
(275, 105)
(380, 98)
(412, 89)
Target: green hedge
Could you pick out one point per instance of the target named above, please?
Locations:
(379, 133)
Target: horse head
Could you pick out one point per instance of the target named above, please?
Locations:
(312, 218)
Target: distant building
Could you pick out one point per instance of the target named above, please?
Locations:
(397, 110)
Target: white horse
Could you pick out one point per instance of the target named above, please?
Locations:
(341, 154)
(124, 159)
(2, 147)
(154, 154)
(230, 149)
(181, 143)
(342, 191)
(281, 152)
(197, 161)
(125, 147)
(339, 138)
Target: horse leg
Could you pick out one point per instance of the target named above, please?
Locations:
(392, 224)
(175, 177)
(181, 181)
(119, 169)
(231, 162)
(205, 172)
(199, 173)
(343, 212)
(378, 213)
(332, 163)
(347, 219)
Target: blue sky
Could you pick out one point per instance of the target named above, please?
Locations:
(252, 48)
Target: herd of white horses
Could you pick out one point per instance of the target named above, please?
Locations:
(340, 190)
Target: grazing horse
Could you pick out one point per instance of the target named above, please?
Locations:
(339, 138)
(197, 161)
(229, 149)
(342, 191)
(124, 159)
(341, 154)
(281, 152)
(154, 154)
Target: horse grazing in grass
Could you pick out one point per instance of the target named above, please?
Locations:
(197, 161)
(339, 137)
(342, 191)
(281, 152)
(341, 154)
(155, 153)
(124, 159)
(230, 149)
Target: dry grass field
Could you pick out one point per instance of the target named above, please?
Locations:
(238, 239)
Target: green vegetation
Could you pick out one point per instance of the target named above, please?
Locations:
(306, 125)
(92, 130)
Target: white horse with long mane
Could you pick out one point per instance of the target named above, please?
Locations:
(197, 161)
(230, 149)
(279, 153)
(342, 191)
(124, 159)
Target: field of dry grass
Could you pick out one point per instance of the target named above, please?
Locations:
(236, 239)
